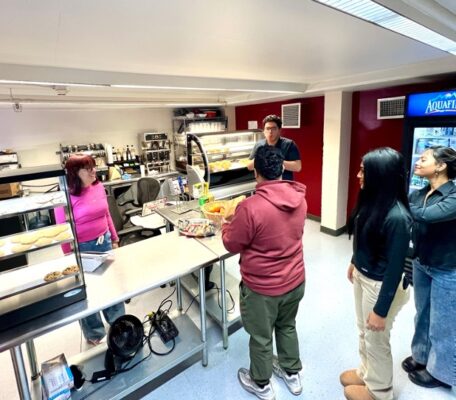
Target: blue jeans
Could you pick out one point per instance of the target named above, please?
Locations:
(434, 341)
(92, 326)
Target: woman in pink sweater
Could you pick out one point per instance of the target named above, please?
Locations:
(94, 230)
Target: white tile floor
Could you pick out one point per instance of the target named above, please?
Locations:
(327, 333)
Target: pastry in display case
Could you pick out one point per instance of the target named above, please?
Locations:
(49, 280)
(223, 156)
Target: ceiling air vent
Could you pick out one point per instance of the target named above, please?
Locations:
(391, 107)
(291, 115)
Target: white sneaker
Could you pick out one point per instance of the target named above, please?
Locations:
(293, 382)
(246, 381)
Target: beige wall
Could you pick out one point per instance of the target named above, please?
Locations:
(35, 134)
(336, 159)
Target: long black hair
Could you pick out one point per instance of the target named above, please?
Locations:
(385, 183)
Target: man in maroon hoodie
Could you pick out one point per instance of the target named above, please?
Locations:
(267, 230)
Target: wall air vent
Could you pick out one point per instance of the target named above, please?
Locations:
(391, 107)
(291, 115)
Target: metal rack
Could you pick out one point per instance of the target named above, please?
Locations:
(96, 150)
(156, 151)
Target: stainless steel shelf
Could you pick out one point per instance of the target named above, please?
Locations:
(213, 301)
(18, 206)
(151, 372)
(5, 248)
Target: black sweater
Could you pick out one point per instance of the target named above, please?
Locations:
(384, 260)
(434, 230)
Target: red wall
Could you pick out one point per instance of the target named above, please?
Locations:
(369, 133)
(309, 139)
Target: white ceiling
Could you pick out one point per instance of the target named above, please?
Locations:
(280, 49)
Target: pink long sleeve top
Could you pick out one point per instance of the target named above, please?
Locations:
(91, 215)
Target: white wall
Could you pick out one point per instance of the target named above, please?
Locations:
(336, 159)
(35, 134)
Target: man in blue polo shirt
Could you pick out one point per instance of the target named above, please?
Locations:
(272, 126)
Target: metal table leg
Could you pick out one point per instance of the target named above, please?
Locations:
(224, 310)
(202, 293)
(179, 294)
(33, 362)
(20, 373)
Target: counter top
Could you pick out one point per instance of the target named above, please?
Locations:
(137, 268)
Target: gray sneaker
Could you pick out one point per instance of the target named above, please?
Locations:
(293, 382)
(265, 393)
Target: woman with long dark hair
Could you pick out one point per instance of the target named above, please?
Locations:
(94, 229)
(433, 359)
(380, 224)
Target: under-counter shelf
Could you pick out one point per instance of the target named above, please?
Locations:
(33, 240)
(16, 206)
(32, 276)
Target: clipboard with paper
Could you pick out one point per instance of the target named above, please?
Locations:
(91, 260)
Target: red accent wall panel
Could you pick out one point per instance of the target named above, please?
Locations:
(309, 139)
(369, 133)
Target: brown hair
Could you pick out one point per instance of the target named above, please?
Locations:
(75, 163)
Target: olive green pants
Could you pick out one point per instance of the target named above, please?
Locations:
(264, 315)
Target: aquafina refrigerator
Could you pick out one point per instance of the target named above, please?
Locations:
(430, 120)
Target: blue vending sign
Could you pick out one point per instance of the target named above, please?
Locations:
(436, 104)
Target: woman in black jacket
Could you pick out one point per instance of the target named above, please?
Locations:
(433, 359)
(380, 224)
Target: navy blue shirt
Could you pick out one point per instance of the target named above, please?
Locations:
(434, 230)
(289, 151)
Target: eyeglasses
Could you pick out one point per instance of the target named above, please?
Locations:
(88, 169)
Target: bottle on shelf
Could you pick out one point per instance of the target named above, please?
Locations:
(133, 152)
(128, 154)
(124, 154)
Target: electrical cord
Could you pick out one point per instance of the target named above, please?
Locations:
(219, 299)
(148, 319)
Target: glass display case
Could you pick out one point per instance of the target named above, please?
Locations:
(49, 280)
(223, 156)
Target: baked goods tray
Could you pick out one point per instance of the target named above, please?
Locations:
(37, 239)
(25, 278)
(21, 205)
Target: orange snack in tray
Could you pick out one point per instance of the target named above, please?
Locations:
(216, 208)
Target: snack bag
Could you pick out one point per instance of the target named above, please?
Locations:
(56, 379)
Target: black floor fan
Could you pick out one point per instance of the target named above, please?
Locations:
(125, 337)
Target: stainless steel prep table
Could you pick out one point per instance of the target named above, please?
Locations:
(155, 262)
(214, 244)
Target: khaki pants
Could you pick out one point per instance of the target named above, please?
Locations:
(376, 368)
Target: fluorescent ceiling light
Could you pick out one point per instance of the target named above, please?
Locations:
(126, 86)
(12, 82)
(202, 89)
(108, 103)
(379, 15)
